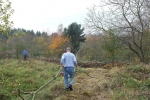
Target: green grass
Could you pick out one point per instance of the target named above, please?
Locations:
(26, 75)
(130, 82)
(134, 80)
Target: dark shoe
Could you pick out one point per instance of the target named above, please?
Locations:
(70, 87)
(67, 89)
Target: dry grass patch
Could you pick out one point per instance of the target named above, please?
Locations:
(117, 83)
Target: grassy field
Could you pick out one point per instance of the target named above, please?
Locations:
(130, 82)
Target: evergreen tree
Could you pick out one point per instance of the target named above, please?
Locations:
(38, 33)
(23, 30)
(75, 34)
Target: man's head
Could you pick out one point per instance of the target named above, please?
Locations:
(68, 49)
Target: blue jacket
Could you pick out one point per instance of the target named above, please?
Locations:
(25, 53)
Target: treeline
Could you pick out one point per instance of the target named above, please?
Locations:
(22, 30)
(103, 47)
(20, 39)
(119, 34)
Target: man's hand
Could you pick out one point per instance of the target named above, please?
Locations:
(76, 66)
(60, 65)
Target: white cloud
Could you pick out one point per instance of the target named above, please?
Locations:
(48, 14)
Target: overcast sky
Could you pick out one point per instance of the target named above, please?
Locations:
(47, 15)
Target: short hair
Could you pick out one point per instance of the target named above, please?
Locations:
(68, 48)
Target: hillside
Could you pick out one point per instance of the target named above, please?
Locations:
(129, 82)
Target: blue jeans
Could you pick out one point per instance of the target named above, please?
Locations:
(68, 73)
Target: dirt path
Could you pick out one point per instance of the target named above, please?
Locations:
(90, 84)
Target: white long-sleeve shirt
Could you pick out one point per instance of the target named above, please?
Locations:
(68, 59)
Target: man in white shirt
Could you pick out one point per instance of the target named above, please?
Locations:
(68, 60)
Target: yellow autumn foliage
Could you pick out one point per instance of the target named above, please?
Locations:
(58, 42)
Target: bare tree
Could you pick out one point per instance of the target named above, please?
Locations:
(60, 29)
(130, 17)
